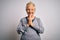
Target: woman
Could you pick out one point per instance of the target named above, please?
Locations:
(30, 26)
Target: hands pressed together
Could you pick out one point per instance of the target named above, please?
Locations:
(30, 18)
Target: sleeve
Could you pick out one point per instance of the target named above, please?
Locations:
(39, 27)
(19, 28)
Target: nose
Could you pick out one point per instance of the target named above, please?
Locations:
(30, 11)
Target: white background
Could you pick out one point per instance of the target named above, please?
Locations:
(12, 10)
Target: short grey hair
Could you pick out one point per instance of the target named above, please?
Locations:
(29, 3)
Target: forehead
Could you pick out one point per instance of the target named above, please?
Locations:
(30, 6)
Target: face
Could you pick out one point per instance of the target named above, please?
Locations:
(30, 9)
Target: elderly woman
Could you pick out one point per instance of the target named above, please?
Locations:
(30, 26)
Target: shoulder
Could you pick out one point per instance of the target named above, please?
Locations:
(23, 19)
(37, 18)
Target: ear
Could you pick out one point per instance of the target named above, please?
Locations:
(26, 10)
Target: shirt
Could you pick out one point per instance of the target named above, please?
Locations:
(30, 33)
